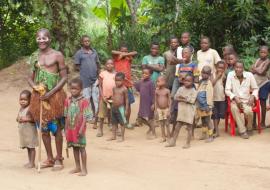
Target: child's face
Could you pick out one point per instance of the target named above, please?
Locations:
(220, 68)
(205, 75)
(146, 74)
(75, 90)
(174, 43)
(232, 60)
(239, 69)
(109, 66)
(188, 82)
(24, 100)
(182, 77)
(124, 49)
(161, 82)
(154, 50)
(185, 39)
(263, 53)
(186, 54)
(86, 42)
(204, 44)
(119, 82)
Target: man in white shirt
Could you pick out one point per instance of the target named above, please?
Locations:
(242, 89)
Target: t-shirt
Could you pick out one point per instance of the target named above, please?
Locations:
(190, 68)
(124, 66)
(209, 57)
(88, 66)
(219, 90)
(148, 60)
(108, 83)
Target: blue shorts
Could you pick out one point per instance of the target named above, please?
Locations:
(264, 91)
(131, 98)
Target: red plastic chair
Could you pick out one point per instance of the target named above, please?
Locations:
(256, 109)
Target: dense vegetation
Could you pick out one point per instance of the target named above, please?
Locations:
(243, 23)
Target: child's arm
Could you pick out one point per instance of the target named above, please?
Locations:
(179, 97)
(156, 67)
(215, 79)
(261, 70)
(169, 101)
(153, 92)
(100, 86)
(192, 98)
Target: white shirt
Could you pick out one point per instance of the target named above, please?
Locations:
(244, 90)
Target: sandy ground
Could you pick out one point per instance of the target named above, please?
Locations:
(227, 163)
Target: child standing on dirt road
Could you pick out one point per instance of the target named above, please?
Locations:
(77, 113)
(120, 106)
(146, 88)
(162, 106)
(27, 129)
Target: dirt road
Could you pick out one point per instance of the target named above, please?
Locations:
(226, 164)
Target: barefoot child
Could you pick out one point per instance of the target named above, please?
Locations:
(122, 63)
(219, 109)
(259, 69)
(106, 85)
(119, 106)
(205, 104)
(162, 106)
(186, 97)
(77, 113)
(27, 129)
(147, 101)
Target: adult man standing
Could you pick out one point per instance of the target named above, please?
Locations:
(87, 62)
(49, 75)
(242, 89)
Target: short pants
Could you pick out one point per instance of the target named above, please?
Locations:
(118, 115)
(264, 91)
(103, 109)
(219, 110)
(162, 114)
(131, 98)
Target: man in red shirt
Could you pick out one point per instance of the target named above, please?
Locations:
(122, 63)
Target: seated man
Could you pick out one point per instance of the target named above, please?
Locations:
(242, 89)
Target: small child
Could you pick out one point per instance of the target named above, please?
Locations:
(231, 61)
(106, 85)
(146, 88)
(219, 109)
(186, 96)
(27, 129)
(259, 69)
(205, 104)
(77, 113)
(119, 106)
(163, 102)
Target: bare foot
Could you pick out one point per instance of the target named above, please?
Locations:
(162, 140)
(111, 139)
(210, 139)
(170, 145)
(74, 171)
(186, 146)
(26, 165)
(99, 134)
(82, 173)
(121, 140)
(95, 126)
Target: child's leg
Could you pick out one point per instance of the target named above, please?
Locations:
(216, 123)
(153, 127)
(173, 128)
(76, 153)
(122, 133)
(46, 137)
(100, 128)
(167, 124)
(210, 129)
(32, 153)
(204, 127)
(84, 161)
(172, 141)
(263, 110)
(29, 158)
(114, 128)
(162, 127)
(189, 135)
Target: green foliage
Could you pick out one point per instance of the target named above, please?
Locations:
(17, 28)
(250, 52)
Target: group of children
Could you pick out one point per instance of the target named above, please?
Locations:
(196, 92)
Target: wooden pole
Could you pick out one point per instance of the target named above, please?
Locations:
(39, 137)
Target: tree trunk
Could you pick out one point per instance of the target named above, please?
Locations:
(133, 7)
